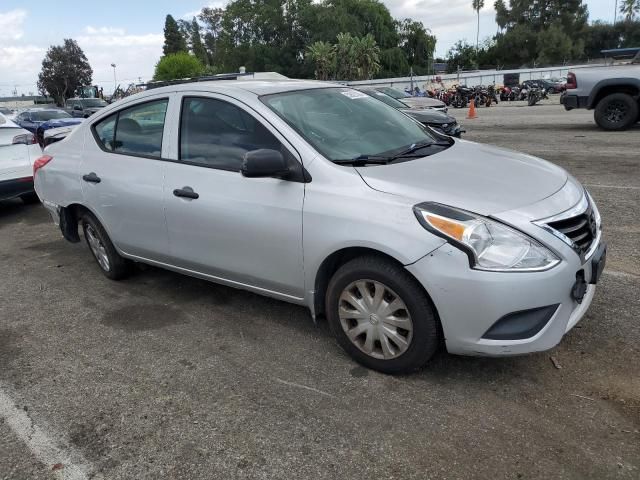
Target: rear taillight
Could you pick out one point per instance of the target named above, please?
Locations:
(25, 139)
(41, 162)
(572, 82)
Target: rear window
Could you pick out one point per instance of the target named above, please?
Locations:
(134, 131)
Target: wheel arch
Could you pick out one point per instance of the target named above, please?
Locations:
(338, 258)
(69, 218)
(630, 86)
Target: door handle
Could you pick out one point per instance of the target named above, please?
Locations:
(186, 192)
(91, 178)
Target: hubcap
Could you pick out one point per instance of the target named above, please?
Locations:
(375, 319)
(97, 248)
(616, 112)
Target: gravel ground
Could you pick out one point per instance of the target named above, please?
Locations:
(165, 376)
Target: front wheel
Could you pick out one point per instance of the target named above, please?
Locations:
(109, 260)
(381, 316)
(617, 111)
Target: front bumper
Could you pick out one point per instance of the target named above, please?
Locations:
(469, 302)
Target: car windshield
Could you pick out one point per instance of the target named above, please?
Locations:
(343, 124)
(93, 102)
(383, 97)
(392, 92)
(46, 115)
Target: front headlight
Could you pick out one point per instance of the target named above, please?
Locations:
(490, 245)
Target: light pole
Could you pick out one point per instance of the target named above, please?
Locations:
(115, 83)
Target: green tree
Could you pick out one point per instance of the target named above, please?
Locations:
(178, 65)
(197, 47)
(629, 8)
(462, 56)
(554, 46)
(64, 68)
(345, 57)
(174, 42)
(418, 45)
(324, 57)
(477, 6)
(502, 13)
(367, 57)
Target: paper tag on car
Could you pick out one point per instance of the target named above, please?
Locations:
(354, 94)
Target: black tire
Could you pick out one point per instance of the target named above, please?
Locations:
(425, 336)
(117, 267)
(617, 111)
(29, 198)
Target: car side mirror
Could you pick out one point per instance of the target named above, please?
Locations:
(264, 163)
(77, 107)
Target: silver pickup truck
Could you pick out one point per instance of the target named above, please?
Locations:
(612, 92)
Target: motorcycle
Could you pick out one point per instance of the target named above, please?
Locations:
(461, 96)
(536, 93)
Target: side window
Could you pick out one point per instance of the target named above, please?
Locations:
(136, 130)
(105, 131)
(139, 129)
(217, 134)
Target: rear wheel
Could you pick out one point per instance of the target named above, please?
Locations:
(381, 316)
(109, 260)
(617, 111)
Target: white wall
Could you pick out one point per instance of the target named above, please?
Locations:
(480, 77)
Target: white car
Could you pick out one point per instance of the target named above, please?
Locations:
(18, 151)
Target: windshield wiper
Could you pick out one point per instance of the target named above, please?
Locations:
(364, 160)
(414, 148)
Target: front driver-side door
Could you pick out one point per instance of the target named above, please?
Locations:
(247, 231)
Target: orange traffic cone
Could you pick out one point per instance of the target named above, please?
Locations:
(472, 110)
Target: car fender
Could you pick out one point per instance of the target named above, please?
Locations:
(612, 82)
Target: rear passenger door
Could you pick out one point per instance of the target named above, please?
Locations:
(247, 231)
(122, 177)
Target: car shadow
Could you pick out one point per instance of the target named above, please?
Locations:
(181, 291)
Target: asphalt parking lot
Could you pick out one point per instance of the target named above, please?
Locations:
(165, 376)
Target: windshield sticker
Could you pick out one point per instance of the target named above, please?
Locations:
(354, 94)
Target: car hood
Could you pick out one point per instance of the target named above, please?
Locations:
(478, 178)
(430, 116)
(60, 122)
(422, 102)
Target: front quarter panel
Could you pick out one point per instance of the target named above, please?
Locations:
(341, 211)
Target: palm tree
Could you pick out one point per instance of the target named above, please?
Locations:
(324, 55)
(367, 55)
(477, 6)
(346, 57)
(629, 8)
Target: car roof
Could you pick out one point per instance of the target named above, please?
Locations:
(257, 87)
(43, 109)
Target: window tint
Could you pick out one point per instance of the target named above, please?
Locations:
(342, 123)
(139, 129)
(218, 134)
(105, 130)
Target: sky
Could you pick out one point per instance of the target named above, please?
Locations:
(130, 33)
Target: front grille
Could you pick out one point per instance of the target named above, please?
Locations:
(581, 230)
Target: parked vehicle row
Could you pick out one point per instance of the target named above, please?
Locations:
(18, 151)
(411, 239)
(39, 120)
(433, 118)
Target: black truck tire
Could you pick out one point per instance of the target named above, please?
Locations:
(617, 111)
